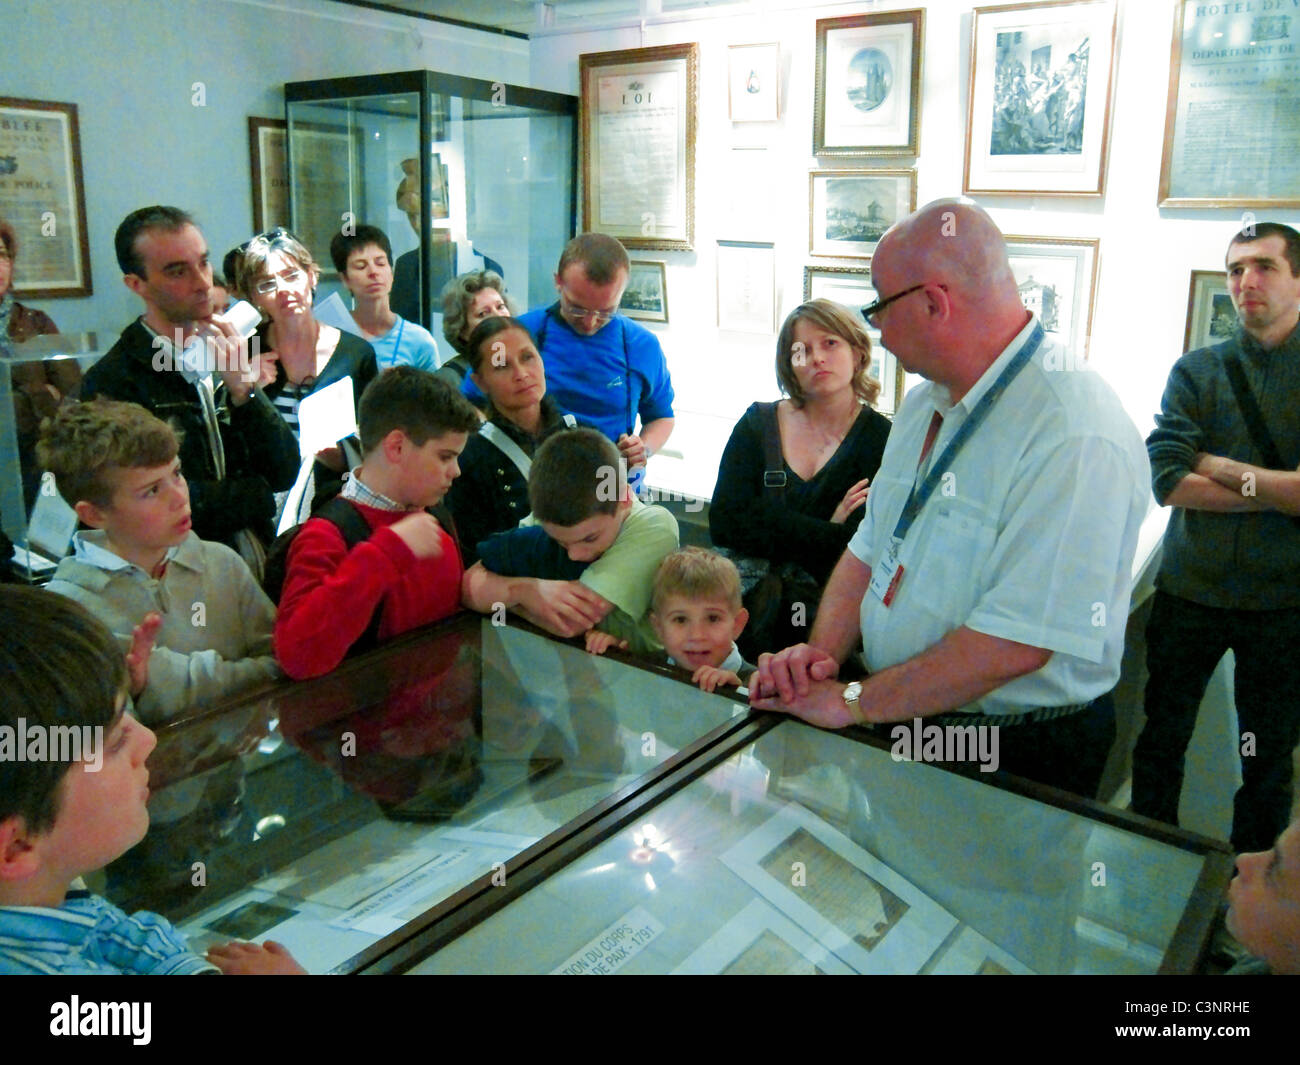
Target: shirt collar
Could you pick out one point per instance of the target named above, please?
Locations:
(973, 394)
(355, 489)
(88, 547)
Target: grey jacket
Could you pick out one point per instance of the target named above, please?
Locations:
(1247, 561)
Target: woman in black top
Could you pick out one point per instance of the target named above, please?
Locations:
(491, 493)
(798, 511)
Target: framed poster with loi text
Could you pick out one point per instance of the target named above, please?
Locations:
(1232, 127)
(42, 197)
(638, 145)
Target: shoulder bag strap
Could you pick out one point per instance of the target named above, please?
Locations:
(496, 435)
(1255, 424)
(773, 461)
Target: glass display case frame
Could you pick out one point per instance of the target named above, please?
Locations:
(426, 86)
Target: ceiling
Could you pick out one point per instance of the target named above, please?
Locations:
(520, 16)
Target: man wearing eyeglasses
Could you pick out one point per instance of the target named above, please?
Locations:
(606, 370)
(990, 576)
(235, 450)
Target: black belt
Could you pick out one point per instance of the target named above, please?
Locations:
(1029, 717)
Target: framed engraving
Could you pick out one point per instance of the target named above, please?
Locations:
(646, 295)
(851, 286)
(868, 89)
(327, 168)
(1211, 314)
(849, 210)
(1232, 125)
(754, 82)
(1057, 277)
(637, 145)
(42, 196)
(747, 287)
(270, 173)
(1041, 77)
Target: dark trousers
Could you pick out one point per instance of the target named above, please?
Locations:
(1066, 752)
(1185, 641)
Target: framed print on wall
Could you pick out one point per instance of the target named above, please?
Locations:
(43, 197)
(849, 210)
(851, 286)
(1232, 125)
(1041, 76)
(754, 82)
(1057, 278)
(270, 174)
(637, 145)
(646, 295)
(1211, 315)
(747, 286)
(868, 90)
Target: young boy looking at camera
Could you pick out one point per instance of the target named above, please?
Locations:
(76, 809)
(407, 572)
(696, 611)
(587, 564)
(117, 467)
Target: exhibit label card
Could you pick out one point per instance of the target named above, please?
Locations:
(611, 949)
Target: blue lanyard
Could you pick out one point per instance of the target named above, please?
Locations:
(917, 499)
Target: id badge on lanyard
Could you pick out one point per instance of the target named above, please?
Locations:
(888, 573)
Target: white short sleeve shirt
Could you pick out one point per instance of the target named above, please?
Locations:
(1029, 536)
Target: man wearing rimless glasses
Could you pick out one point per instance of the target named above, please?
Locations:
(989, 579)
(606, 370)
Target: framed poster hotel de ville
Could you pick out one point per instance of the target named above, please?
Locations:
(637, 130)
(1232, 126)
(1041, 78)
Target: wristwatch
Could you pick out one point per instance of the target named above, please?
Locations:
(851, 694)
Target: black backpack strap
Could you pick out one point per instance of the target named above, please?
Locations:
(355, 529)
(774, 478)
(1254, 419)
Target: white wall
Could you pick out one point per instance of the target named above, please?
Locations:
(129, 66)
(1147, 253)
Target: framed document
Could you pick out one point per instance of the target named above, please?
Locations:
(43, 198)
(1040, 88)
(747, 287)
(270, 174)
(851, 286)
(754, 82)
(849, 210)
(1232, 126)
(868, 95)
(1057, 277)
(327, 168)
(646, 295)
(1211, 315)
(637, 130)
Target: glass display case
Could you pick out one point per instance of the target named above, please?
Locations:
(482, 798)
(36, 376)
(460, 173)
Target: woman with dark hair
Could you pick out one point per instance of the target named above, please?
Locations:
(795, 474)
(491, 493)
(466, 301)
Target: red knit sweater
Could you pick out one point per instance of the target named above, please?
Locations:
(330, 593)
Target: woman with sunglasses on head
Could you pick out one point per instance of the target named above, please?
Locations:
(793, 481)
(491, 493)
(277, 274)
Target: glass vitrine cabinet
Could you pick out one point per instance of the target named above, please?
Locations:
(461, 173)
(483, 798)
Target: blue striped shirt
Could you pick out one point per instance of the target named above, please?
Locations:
(89, 936)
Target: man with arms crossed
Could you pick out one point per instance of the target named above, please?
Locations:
(999, 595)
(1230, 573)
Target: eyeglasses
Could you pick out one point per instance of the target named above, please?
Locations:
(872, 313)
(270, 285)
(570, 310)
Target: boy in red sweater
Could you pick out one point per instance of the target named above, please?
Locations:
(413, 428)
